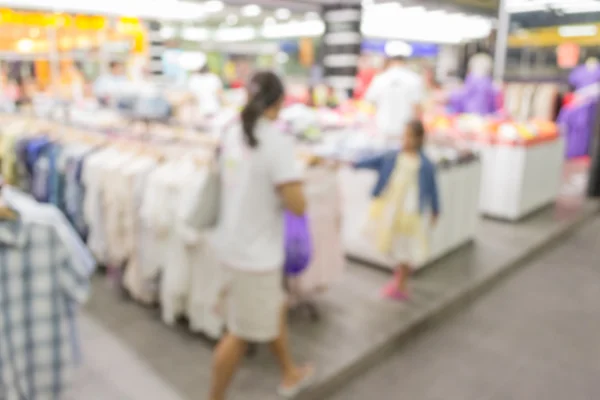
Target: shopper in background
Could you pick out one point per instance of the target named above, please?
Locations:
(207, 90)
(108, 87)
(405, 194)
(397, 94)
(260, 180)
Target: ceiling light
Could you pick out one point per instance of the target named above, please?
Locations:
(294, 29)
(577, 30)
(251, 10)
(312, 15)
(239, 34)
(231, 19)
(195, 34)
(270, 21)
(395, 48)
(25, 45)
(214, 6)
(167, 32)
(283, 13)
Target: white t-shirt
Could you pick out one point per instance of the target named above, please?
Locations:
(251, 235)
(206, 88)
(395, 93)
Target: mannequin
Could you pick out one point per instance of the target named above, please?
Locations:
(479, 94)
(578, 119)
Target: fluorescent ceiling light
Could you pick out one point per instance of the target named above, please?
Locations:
(395, 48)
(421, 25)
(577, 30)
(167, 32)
(251, 10)
(214, 6)
(239, 34)
(294, 29)
(159, 9)
(283, 13)
(195, 34)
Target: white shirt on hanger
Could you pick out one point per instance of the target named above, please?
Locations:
(251, 234)
(206, 88)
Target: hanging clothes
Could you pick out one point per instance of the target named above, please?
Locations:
(325, 217)
(44, 277)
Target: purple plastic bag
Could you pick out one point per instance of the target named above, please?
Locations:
(298, 244)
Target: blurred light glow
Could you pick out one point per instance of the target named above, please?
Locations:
(283, 13)
(251, 10)
(214, 6)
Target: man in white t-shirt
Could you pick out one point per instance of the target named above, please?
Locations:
(397, 95)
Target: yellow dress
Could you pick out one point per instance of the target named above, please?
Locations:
(395, 221)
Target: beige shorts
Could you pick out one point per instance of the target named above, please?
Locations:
(254, 304)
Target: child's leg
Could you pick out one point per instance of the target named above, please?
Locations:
(402, 275)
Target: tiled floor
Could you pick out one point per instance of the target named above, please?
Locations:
(355, 321)
(131, 355)
(533, 337)
(112, 371)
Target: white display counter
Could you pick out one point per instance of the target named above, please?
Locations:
(518, 180)
(459, 187)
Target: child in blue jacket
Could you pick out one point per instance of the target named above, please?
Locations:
(405, 200)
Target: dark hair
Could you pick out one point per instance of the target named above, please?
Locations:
(114, 64)
(398, 58)
(204, 69)
(264, 91)
(418, 129)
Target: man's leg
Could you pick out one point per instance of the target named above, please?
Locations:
(226, 358)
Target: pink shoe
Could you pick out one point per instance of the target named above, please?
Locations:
(390, 291)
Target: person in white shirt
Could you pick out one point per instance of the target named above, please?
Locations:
(206, 88)
(109, 86)
(397, 94)
(260, 180)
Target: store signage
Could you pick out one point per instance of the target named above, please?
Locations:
(567, 55)
(83, 22)
(483, 6)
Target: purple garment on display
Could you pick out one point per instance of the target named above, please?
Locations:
(298, 244)
(478, 96)
(578, 121)
(584, 76)
(578, 124)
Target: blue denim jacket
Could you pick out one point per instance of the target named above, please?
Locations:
(385, 163)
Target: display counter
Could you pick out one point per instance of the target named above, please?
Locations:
(522, 163)
(459, 188)
(518, 180)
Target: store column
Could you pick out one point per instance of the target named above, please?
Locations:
(594, 180)
(341, 44)
(156, 48)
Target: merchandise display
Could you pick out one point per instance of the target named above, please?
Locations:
(45, 277)
(459, 176)
(458, 183)
(122, 192)
(514, 157)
